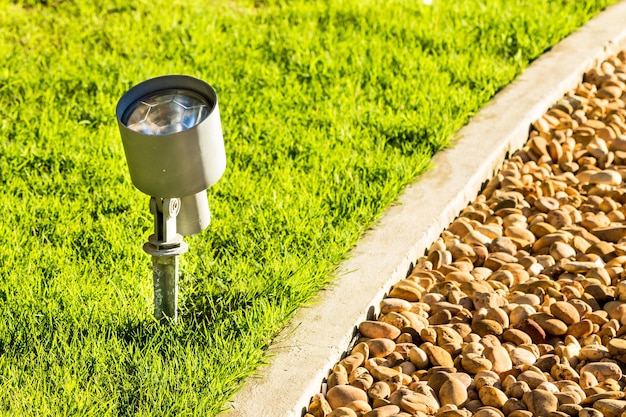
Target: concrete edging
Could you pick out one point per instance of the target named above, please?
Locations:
(317, 336)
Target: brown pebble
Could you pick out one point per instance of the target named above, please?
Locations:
(343, 412)
(492, 396)
(516, 336)
(377, 329)
(485, 327)
(397, 305)
(380, 347)
(474, 363)
(603, 370)
(384, 411)
(610, 408)
(589, 412)
(617, 349)
(379, 390)
(360, 407)
(550, 324)
(319, 406)
(453, 391)
(611, 233)
(565, 312)
(581, 329)
(540, 402)
(521, 413)
(541, 229)
(532, 329)
(341, 395)
(437, 355)
(608, 177)
(488, 411)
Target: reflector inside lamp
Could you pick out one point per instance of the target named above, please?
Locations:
(166, 112)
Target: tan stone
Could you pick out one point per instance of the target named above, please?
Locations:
(581, 329)
(517, 389)
(518, 232)
(603, 370)
(492, 396)
(594, 353)
(550, 324)
(341, 395)
(615, 309)
(319, 407)
(532, 378)
(360, 407)
(534, 330)
(565, 312)
(379, 390)
(437, 355)
(461, 226)
(617, 348)
(559, 219)
(453, 412)
(610, 408)
(581, 267)
(516, 337)
(352, 361)
(513, 404)
(446, 335)
(488, 411)
(474, 363)
(413, 402)
(382, 373)
(362, 381)
(453, 391)
(362, 348)
(562, 250)
(397, 320)
(608, 177)
(406, 292)
(611, 233)
(343, 412)
(547, 240)
(384, 411)
(418, 357)
(486, 326)
(337, 378)
(540, 402)
(521, 413)
(541, 229)
(397, 305)
(498, 315)
(499, 358)
(380, 347)
(520, 356)
(377, 329)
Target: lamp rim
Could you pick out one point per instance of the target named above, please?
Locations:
(163, 83)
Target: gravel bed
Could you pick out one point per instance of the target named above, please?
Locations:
(519, 308)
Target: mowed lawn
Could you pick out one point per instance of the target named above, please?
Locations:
(329, 108)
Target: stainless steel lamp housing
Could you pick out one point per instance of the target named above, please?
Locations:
(172, 135)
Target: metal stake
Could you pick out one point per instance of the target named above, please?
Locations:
(165, 245)
(165, 274)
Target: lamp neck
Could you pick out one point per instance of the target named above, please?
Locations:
(165, 241)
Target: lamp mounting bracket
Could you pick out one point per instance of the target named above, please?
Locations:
(165, 241)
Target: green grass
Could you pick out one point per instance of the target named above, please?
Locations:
(329, 109)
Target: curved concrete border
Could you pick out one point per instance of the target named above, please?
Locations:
(319, 334)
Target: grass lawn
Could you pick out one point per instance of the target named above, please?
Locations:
(329, 108)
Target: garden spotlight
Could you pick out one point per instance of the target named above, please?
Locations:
(172, 136)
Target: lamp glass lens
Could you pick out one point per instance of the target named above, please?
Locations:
(166, 112)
